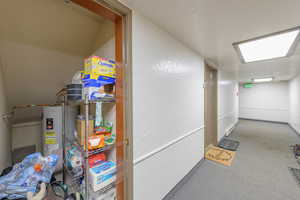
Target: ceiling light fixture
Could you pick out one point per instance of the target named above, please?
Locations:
(261, 80)
(276, 45)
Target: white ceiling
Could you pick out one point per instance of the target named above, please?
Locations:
(211, 26)
(52, 37)
(42, 44)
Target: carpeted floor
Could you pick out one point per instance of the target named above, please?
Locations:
(259, 171)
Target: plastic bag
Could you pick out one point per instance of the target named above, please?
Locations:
(26, 175)
(77, 78)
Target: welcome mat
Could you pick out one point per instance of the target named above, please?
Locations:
(296, 174)
(219, 155)
(229, 144)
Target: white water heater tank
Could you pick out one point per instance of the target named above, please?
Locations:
(52, 133)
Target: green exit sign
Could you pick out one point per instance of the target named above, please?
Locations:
(248, 85)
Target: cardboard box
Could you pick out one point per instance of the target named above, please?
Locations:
(80, 127)
(92, 109)
(100, 66)
(108, 89)
(102, 175)
(96, 142)
(95, 93)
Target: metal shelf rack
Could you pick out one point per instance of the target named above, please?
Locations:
(83, 179)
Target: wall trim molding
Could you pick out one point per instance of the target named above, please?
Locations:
(253, 108)
(223, 116)
(183, 181)
(26, 124)
(166, 146)
(260, 120)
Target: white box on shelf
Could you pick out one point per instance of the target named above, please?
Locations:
(102, 175)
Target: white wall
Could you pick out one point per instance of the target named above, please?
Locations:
(5, 151)
(167, 110)
(107, 50)
(294, 115)
(265, 101)
(228, 102)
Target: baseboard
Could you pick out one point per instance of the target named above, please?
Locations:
(185, 179)
(260, 120)
(297, 133)
(231, 129)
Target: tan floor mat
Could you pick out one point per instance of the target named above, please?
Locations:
(219, 155)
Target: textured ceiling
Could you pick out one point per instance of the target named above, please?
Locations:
(211, 26)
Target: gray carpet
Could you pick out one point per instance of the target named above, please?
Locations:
(259, 171)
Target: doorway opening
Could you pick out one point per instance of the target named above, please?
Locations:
(210, 106)
(44, 65)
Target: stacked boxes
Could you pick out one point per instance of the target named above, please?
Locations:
(100, 66)
(98, 72)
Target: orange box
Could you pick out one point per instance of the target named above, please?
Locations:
(96, 142)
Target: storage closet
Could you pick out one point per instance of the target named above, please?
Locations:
(55, 104)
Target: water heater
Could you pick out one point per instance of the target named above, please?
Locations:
(52, 133)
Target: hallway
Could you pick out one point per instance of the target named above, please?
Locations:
(259, 171)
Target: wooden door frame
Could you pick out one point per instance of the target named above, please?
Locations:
(121, 16)
(208, 66)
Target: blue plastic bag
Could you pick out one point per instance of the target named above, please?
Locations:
(24, 177)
